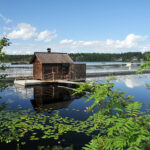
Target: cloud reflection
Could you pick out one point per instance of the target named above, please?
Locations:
(22, 92)
(133, 82)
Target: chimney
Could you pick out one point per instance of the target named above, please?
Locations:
(49, 50)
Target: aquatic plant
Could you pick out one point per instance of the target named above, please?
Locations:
(25, 123)
(55, 147)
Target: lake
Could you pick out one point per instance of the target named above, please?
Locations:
(50, 104)
(91, 67)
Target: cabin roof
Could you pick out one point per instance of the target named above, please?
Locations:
(51, 58)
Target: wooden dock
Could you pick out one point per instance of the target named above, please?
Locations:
(26, 83)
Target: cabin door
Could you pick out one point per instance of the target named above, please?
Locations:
(55, 72)
(54, 69)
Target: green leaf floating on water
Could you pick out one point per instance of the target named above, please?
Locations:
(15, 125)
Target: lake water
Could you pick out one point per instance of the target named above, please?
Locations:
(91, 67)
(47, 100)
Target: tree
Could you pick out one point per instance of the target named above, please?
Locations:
(146, 65)
(123, 126)
(4, 42)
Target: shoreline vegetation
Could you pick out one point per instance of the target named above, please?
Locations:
(87, 57)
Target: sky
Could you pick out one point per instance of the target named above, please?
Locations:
(75, 26)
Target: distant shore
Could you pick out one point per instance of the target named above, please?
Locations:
(86, 57)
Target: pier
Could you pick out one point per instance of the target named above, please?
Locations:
(26, 83)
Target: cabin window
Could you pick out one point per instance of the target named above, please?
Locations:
(54, 69)
(47, 69)
(65, 65)
(60, 68)
(50, 69)
(65, 68)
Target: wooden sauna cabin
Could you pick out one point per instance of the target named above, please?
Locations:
(56, 66)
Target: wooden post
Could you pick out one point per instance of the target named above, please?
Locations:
(53, 76)
(53, 93)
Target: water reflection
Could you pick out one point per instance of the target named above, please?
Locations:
(130, 81)
(133, 82)
(51, 98)
(2, 106)
(22, 92)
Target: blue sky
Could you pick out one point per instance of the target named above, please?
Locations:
(102, 26)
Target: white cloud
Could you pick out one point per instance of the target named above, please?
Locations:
(66, 41)
(6, 20)
(21, 48)
(26, 31)
(46, 36)
(145, 48)
(23, 31)
(131, 43)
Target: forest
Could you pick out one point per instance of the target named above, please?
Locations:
(87, 57)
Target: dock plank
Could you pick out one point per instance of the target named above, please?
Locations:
(41, 82)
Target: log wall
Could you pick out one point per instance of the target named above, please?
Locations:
(37, 69)
(56, 71)
(78, 72)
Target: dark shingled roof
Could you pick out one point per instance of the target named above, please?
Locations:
(49, 58)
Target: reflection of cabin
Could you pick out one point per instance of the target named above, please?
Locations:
(56, 66)
(51, 97)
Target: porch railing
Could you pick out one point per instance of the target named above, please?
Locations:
(55, 76)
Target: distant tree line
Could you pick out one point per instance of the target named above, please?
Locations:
(17, 58)
(87, 57)
(95, 57)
